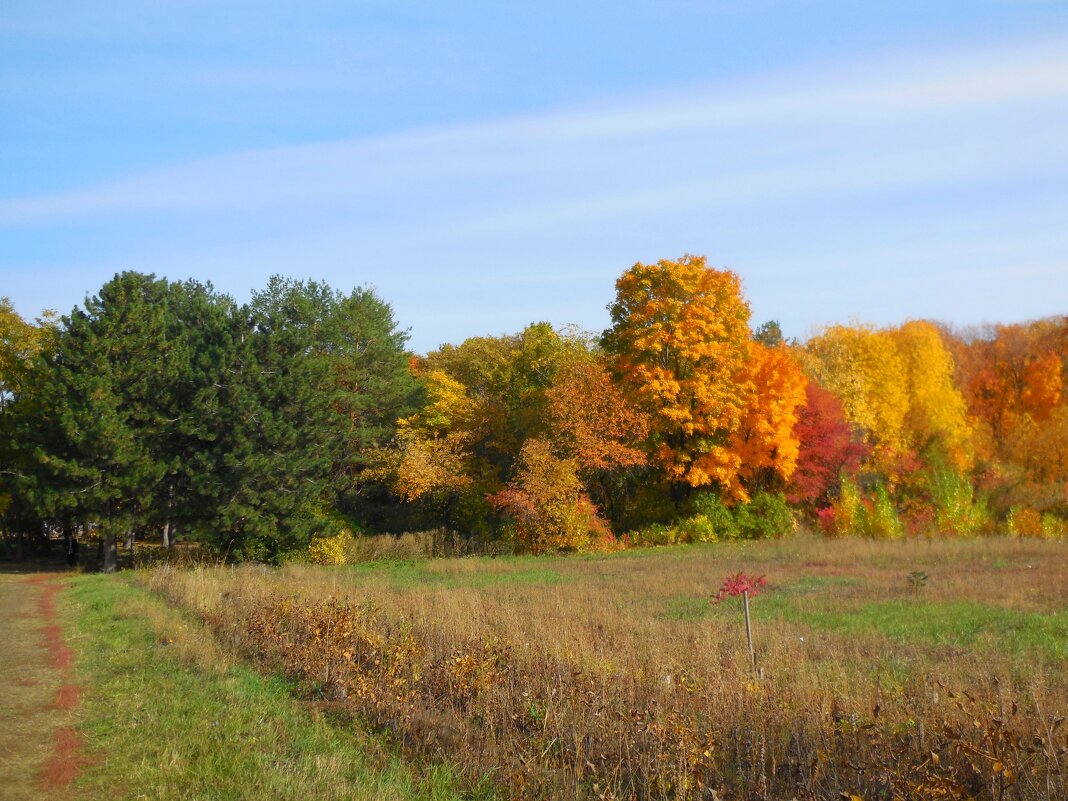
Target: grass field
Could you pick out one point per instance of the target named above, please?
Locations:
(614, 677)
(166, 713)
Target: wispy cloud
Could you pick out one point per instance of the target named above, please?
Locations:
(867, 128)
(865, 189)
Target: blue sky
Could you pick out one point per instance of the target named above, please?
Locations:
(486, 165)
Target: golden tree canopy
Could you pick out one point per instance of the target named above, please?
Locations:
(680, 342)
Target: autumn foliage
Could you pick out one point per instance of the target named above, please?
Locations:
(830, 447)
(546, 502)
(680, 422)
(722, 406)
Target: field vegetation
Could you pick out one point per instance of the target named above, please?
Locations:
(900, 670)
(168, 713)
(901, 488)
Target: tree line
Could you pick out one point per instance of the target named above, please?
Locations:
(165, 407)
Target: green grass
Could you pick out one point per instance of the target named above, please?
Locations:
(159, 728)
(830, 604)
(960, 624)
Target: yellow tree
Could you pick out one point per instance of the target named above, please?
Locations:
(546, 502)
(432, 444)
(680, 342)
(20, 342)
(862, 366)
(507, 377)
(937, 412)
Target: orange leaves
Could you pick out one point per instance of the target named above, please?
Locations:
(1043, 385)
(1013, 379)
(680, 342)
(593, 420)
(722, 406)
(1012, 370)
(765, 440)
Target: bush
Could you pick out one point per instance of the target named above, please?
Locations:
(546, 505)
(825, 519)
(766, 516)
(720, 517)
(1053, 528)
(713, 521)
(1025, 522)
(879, 518)
(846, 511)
(870, 517)
(332, 550)
(650, 536)
(956, 509)
(698, 528)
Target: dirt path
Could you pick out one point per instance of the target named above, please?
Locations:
(39, 747)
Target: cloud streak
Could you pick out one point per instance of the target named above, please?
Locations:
(862, 190)
(650, 147)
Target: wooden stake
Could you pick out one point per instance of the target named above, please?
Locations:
(749, 629)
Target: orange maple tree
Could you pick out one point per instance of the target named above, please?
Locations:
(680, 342)
(593, 421)
(766, 442)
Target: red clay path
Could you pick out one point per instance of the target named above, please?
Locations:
(43, 749)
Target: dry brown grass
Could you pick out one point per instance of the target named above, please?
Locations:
(188, 642)
(611, 676)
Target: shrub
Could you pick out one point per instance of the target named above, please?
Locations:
(870, 517)
(826, 521)
(698, 528)
(880, 518)
(471, 514)
(766, 516)
(1053, 528)
(919, 519)
(1025, 522)
(651, 536)
(546, 504)
(721, 518)
(956, 509)
(331, 550)
(846, 511)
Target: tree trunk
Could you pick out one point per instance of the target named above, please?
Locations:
(42, 544)
(111, 552)
(168, 535)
